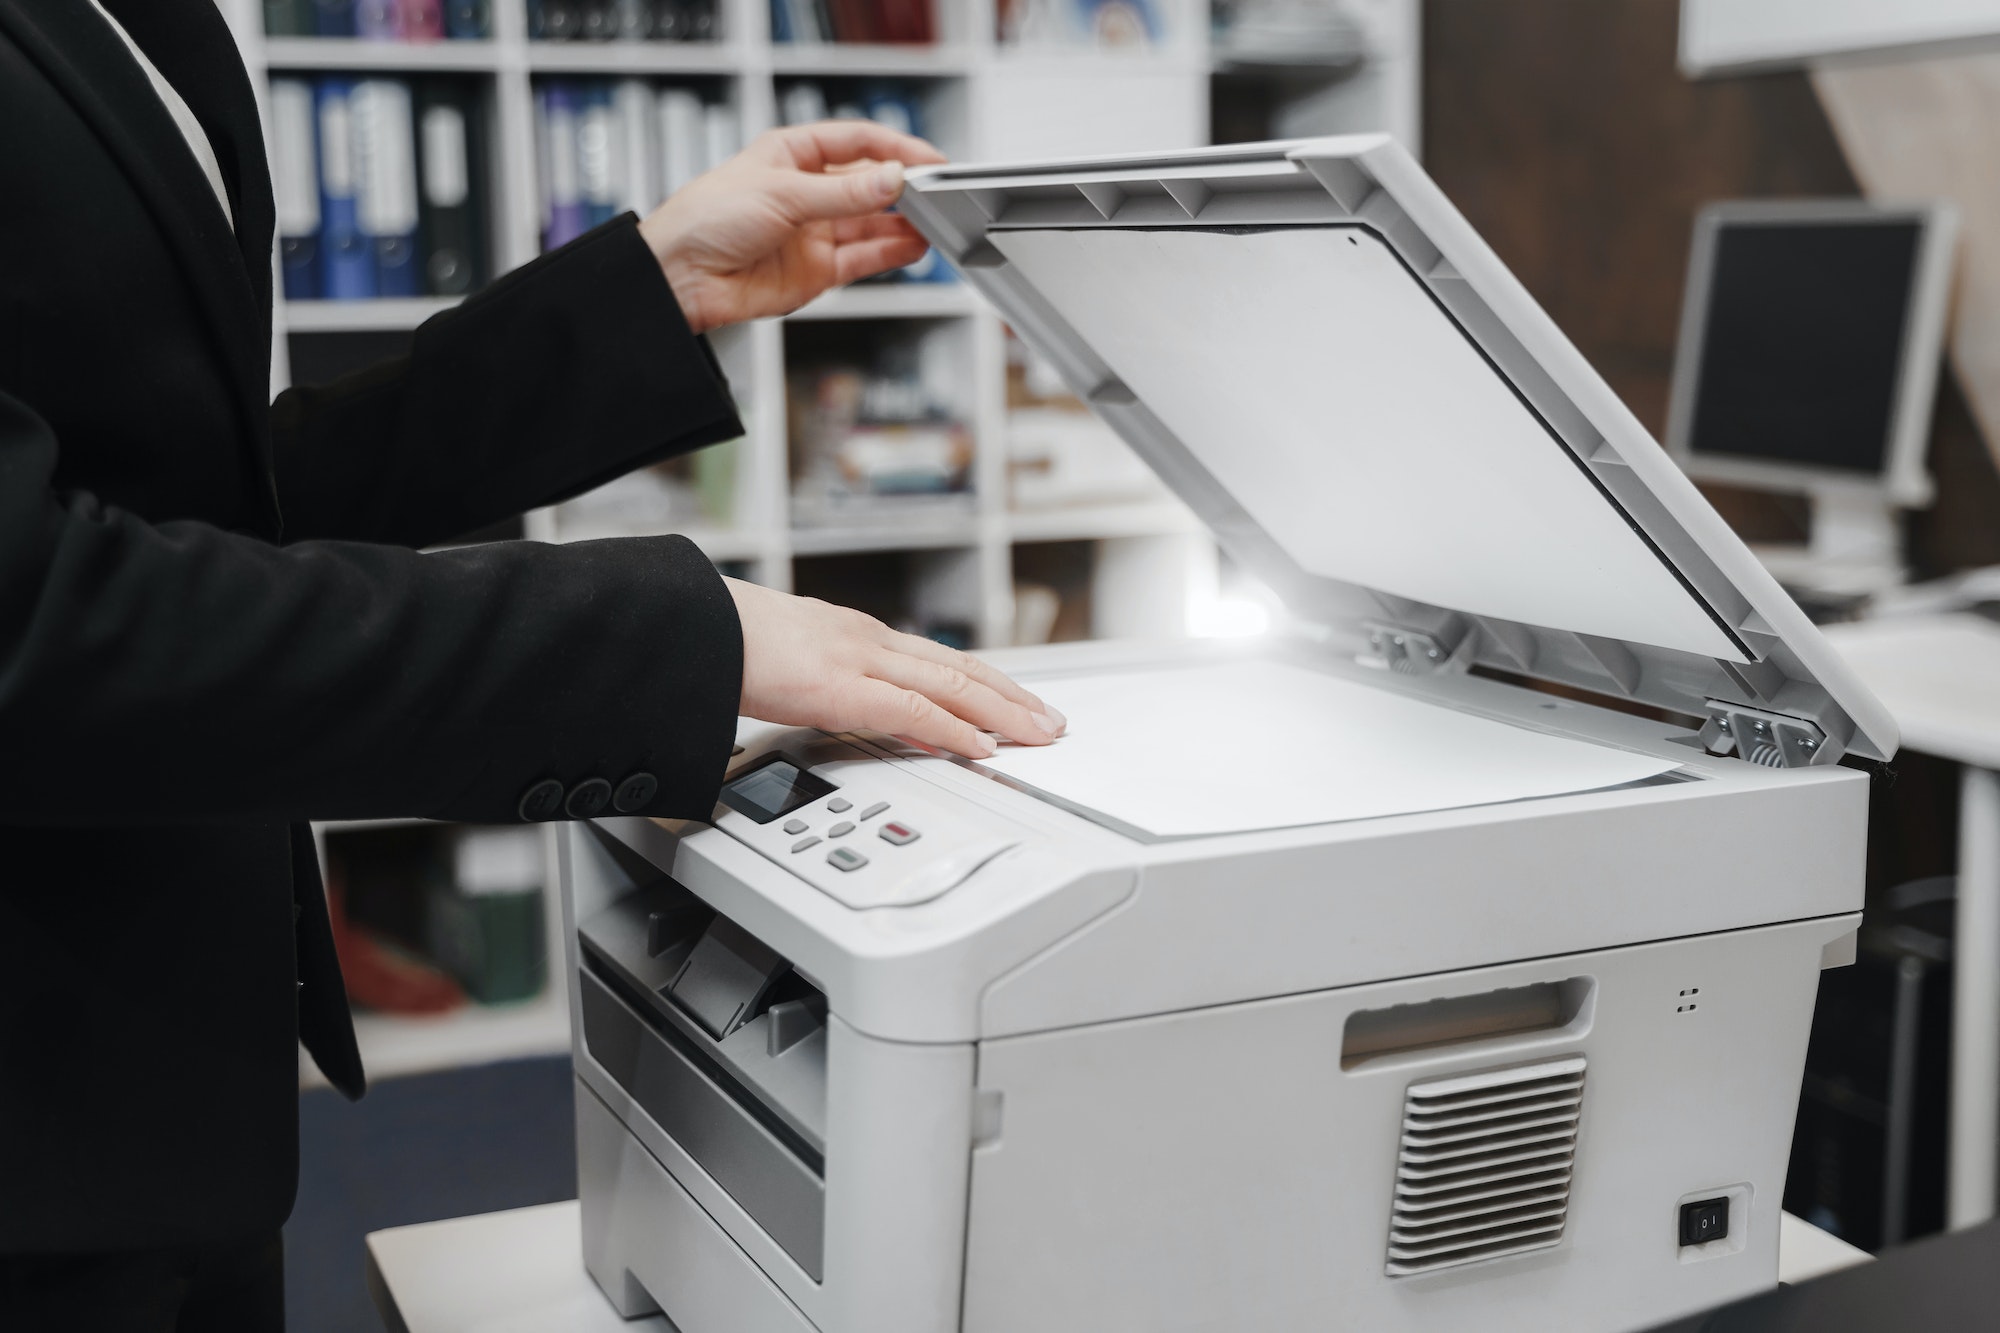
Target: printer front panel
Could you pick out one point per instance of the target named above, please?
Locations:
(1259, 1165)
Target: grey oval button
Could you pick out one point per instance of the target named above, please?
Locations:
(874, 810)
(804, 843)
(840, 805)
(796, 826)
(587, 798)
(541, 801)
(841, 830)
(635, 791)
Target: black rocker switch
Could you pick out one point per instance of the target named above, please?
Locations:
(1704, 1220)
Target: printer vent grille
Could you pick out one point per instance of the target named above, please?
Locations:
(1484, 1168)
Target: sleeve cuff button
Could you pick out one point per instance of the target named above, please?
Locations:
(541, 801)
(635, 792)
(587, 798)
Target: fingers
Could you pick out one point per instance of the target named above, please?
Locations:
(812, 196)
(962, 696)
(879, 706)
(864, 259)
(875, 226)
(915, 645)
(828, 143)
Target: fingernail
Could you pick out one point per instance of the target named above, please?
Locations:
(1050, 722)
(889, 179)
(986, 747)
(1055, 715)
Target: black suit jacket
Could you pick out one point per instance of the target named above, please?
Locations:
(214, 624)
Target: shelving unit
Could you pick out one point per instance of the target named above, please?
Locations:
(984, 100)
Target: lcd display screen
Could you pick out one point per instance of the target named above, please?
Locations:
(773, 791)
(1802, 347)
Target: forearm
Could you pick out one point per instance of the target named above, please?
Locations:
(564, 374)
(178, 673)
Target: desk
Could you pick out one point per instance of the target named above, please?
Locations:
(522, 1272)
(1939, 676)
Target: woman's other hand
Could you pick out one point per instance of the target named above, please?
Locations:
(811, 664)
(800, 210)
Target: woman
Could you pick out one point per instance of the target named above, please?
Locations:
(215, 623)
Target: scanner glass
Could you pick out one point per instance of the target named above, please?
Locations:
(1235, 746)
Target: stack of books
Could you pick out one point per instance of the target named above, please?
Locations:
(380, 20)
(622, 20)
(908, 22)
(380, 187)
(604, 146)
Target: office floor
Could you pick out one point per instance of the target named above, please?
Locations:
(415, 1150)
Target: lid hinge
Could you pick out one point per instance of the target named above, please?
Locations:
(1774, 740)
(1410, 651)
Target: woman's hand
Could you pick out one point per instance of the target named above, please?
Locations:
(798, 211)
(810, 664)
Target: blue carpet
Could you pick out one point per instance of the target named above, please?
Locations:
(416, 1150)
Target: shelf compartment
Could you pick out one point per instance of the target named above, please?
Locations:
(836, 59)
(351, 53)
(613, 58)
(1145, 518)
(381, 315)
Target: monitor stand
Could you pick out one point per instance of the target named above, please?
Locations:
(1856, 546)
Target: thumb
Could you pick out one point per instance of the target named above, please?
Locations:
(816, 196)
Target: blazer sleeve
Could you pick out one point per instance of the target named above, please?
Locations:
(566, 373)
(175, 672)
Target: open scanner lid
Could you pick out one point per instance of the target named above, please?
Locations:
(1310, 344)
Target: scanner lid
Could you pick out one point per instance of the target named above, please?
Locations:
(1318, 353)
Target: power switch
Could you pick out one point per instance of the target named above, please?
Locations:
(1704, 1220)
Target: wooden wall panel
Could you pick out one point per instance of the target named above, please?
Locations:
(1567, 135)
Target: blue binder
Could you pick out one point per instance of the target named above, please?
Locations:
(347, 261)
(385, 186)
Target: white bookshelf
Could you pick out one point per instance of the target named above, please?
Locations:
(984, 100)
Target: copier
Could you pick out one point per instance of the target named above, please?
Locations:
(1351, 979)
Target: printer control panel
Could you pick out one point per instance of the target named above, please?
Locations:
(857, 834)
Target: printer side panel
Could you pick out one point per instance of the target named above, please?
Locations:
(1237, 1167)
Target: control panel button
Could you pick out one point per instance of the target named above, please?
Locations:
(846, 858)
(840, 805)
(804, 843)
(841, 830)
(899, 834)
(796, 826)
(873, 810)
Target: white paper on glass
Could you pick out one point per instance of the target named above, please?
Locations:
(1330, 396)
(1235, 746)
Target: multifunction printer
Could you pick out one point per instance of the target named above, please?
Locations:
(1443, 962)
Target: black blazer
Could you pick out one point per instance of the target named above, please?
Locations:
(214, 624)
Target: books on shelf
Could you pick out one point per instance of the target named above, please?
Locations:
(894, 22)
(603, 146)
(380, 20)
(1086, 24)
(376, 184)
(623, 20)
(863, 436)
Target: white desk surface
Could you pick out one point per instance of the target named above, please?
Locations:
(522, 1272)
(1939, 677)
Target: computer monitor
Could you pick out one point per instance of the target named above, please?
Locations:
(1808, 359)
